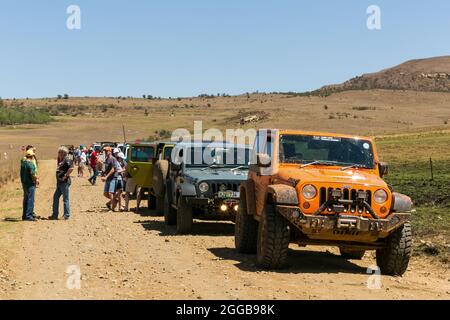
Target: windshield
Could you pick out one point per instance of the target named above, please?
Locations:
(142, 154)
(205, 156)
(326, 150)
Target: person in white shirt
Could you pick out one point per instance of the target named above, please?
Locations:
(82, 164)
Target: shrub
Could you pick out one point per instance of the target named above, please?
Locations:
(16, 115)
(363, 108)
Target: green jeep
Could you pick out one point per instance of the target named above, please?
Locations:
(148, 164)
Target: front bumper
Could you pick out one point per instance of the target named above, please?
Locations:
(343, 227)
(213, 205)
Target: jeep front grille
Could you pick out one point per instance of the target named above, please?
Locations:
(347, 194)
(224, 186)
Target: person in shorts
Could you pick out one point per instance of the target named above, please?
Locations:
(120, 187)
(112, 170)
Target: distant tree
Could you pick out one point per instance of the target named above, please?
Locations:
(149, 97)
(143, 96)
(59, 96)
(66, 96)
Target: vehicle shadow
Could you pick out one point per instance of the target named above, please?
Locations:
(200, 228)
(299, 261)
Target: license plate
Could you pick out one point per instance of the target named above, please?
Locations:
(348, 223)
(228, 194)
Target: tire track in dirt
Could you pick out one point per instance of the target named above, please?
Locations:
(132, 256)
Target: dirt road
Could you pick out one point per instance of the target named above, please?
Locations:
(132, 256)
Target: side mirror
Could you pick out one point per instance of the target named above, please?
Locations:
(263, 160)
(383, 168)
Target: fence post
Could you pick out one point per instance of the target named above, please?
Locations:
(431, 169)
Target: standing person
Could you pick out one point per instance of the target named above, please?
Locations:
(29, 181)
(34, 160)
(88, 161)
(63, 182)
(93, 165)
(120, 187)
(112, 169)
(82, 164)
(76, 155)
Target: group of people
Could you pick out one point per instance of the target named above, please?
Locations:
(118, 184)
(86, 158)
(30, 181)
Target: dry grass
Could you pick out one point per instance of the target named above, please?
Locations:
(85, 120)
(9, 166)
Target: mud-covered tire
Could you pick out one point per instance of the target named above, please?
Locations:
(184, 216)
(245, 229)
(394, 258)
(160, 170)
(170, 214)
(273, 239)
(352, 254)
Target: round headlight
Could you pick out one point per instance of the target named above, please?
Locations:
(380, 196)
(203, 187)
(309, 191)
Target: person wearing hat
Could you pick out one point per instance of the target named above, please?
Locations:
(29, 181)
(63, 182)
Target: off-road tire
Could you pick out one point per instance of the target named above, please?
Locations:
(151, 201)
(159, 206)
(184, 216)
(273, 239)
(160, 170)
(352, 254)
(393, 260)
(245, 229)
(170, 214)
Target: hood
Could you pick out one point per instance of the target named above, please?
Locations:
(324, 175)
(216, 174)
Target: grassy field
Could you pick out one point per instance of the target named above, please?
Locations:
(410, 173)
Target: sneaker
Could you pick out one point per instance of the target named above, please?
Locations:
(52, 218)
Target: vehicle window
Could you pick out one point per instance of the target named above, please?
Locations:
(340, 151)
(168, 153)
(142, 154)
(206, 156)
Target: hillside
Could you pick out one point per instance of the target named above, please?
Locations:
(431, 75)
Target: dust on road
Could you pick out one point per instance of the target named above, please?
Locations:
(132, 256)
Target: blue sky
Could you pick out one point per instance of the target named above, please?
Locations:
(185, 48)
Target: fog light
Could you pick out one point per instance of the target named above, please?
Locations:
(306, 205)
(223, 207)
(236, 208)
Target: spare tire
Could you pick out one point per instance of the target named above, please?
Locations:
(160, 170)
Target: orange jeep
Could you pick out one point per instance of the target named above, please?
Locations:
(321, 189)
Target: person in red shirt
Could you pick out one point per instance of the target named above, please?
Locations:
(93, 163)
